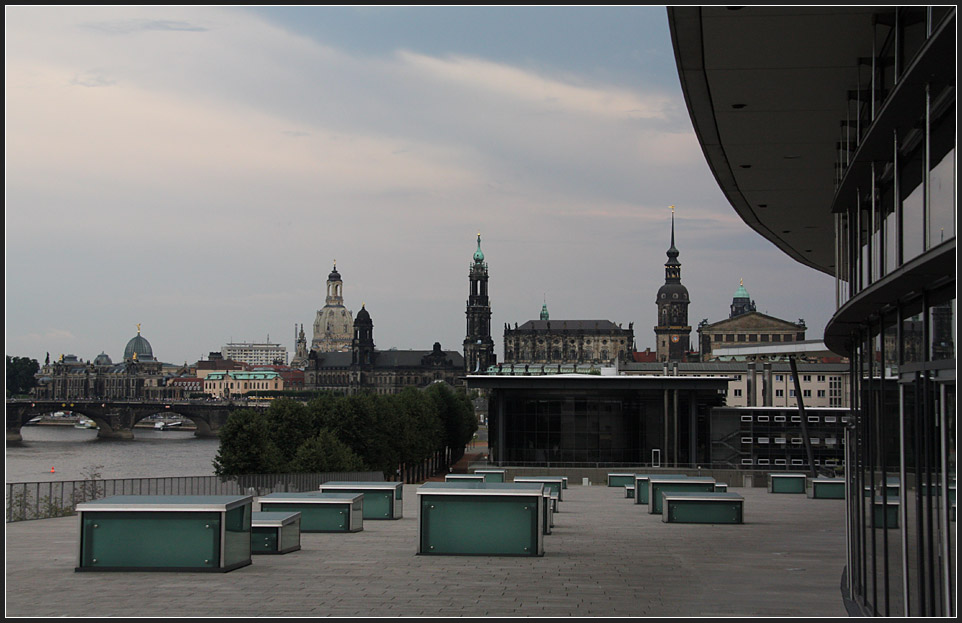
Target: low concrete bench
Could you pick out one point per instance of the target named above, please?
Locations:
(491, 475)
(664, 484)
(556, 483)
(481, 518)
(382, 500)
(621, 480)
(321, 511)
(715, 507)
(787, 483)
(275, 533)
(165, 533)
(827, 489)
(641, 485)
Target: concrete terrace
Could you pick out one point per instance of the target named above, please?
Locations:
(605, 557)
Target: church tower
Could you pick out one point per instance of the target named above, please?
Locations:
(478, 345)
(334, 323)
(672, 333)
(362, 346)
(300, 349)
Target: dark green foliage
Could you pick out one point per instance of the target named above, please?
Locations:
(20, 375)
(456, 413)
(246, 446)
(325, 453)
(346, 433)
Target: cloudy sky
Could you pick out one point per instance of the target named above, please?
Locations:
(198, 170)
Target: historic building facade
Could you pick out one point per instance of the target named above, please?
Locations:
(365, 369)
(334, 323)
(478, 345)
(745, 326)
(140, 376)
(564, 342)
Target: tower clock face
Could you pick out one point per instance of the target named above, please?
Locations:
(675, 338)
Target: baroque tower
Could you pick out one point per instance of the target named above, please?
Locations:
(741, 302)
(672, 333)
(334, 323)
(478, 345)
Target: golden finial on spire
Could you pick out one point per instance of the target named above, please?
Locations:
(672, 208)
(138, 328)
(741, 282)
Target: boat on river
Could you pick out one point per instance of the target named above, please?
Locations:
(168, 425)
(84, 423)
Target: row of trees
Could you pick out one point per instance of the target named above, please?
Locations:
(21, 373)
(364, 432)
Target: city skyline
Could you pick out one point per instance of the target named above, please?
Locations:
(197, 170)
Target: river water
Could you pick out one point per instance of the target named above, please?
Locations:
(76, 453)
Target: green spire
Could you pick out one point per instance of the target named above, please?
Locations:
(544, 311)
(478, 255)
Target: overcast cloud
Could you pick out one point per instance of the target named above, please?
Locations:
(197, 170)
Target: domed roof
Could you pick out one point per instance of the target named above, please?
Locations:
(334, 276)
(103, 359)
(673, 291)
(140, 347)
(362, 315)
(741, 292)
(478, 255)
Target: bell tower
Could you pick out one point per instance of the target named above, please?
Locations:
(478, 345)
(672, 333)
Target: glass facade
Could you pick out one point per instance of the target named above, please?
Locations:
(895, 269)
(555, 424)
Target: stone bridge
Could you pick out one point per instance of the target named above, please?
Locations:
(116, 419)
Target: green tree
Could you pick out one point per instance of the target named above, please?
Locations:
(456, 413)
(418, 426)
(21, 375)
(325, 453)
(291, 425)
(246, 446)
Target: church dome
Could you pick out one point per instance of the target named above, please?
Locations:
(103, 359)
(363, 315)
(140, 347)
(672, 292)
(334, 276)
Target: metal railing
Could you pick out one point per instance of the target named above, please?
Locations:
(42, 500)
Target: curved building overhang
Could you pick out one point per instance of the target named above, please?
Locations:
(767, 91)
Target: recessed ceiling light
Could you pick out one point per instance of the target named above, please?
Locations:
(762, 205)
(738, 106)
(745, 166)
(792, 157)
(786, 231)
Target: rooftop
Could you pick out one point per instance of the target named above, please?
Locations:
(606, 556)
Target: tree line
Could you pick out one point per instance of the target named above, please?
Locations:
(333, 433)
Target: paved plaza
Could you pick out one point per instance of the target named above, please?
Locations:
(606, 556)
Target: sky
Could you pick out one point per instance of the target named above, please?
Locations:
(197, 171)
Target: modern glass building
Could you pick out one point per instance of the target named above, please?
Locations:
(588, 419)
(832, 132)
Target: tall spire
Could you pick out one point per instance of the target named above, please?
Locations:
(478, 255)
(544, 310)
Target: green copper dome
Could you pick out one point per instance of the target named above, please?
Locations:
(138, 348)
(478, 255)
(741, 292)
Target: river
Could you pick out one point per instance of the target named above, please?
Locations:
(67, 453)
